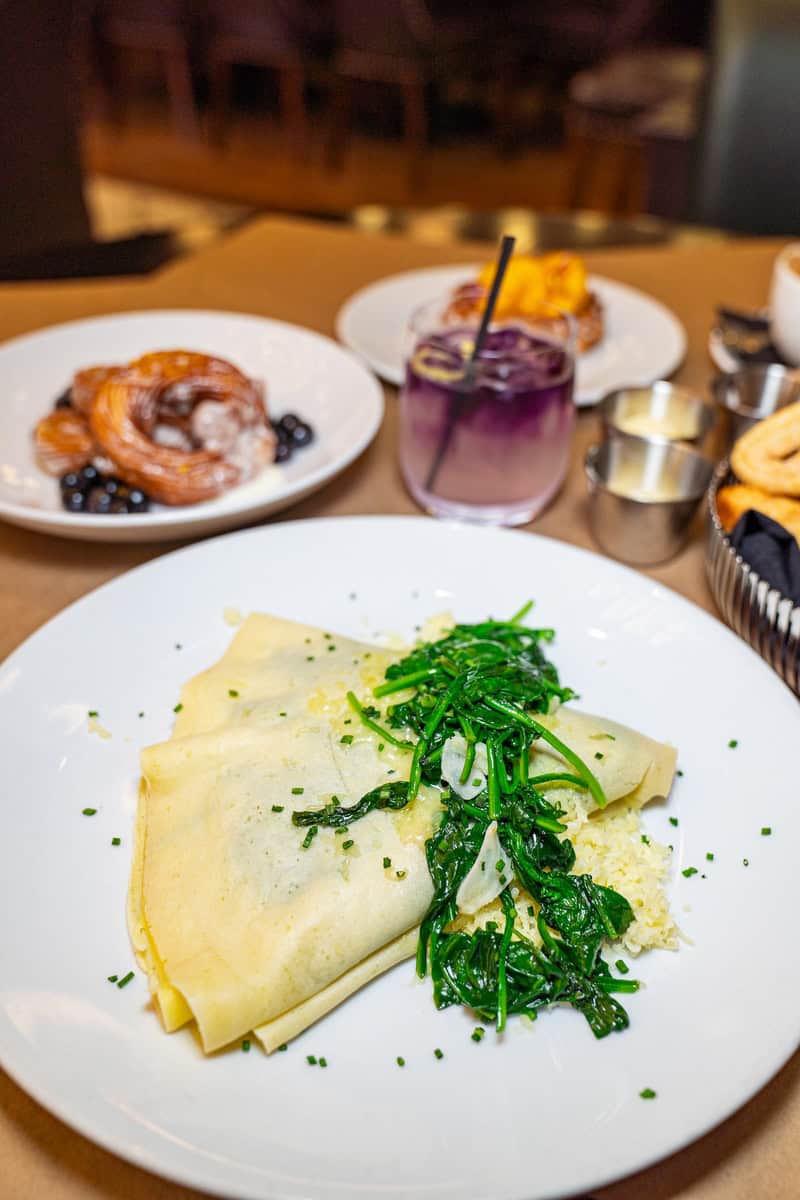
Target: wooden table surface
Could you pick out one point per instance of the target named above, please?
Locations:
(302, 272)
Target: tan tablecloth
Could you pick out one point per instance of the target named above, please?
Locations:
(302, 272)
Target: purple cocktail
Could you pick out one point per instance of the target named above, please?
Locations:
(495, 450)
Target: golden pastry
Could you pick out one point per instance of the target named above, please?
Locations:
(768, 455)
(734, 501)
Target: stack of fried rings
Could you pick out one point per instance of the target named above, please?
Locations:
(222, 434)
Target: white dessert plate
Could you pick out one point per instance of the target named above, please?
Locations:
(643, 340)
(302, 371)
(543, 1111)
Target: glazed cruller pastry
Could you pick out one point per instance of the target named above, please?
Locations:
(174, 425)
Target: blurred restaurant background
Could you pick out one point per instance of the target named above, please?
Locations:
(134, 130)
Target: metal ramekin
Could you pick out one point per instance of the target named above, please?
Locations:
(660, 401)
(759, 613)
(753, 392)
(625, 521)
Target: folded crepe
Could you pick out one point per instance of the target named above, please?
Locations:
(243, 921)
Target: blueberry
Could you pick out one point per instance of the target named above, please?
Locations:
(138, 501)
(64, 400)
(116, 487)
(283, 451)
(89, 476)
(302, 434)
(70, 482)
(289, 422)
(74, 501)
(98, 501)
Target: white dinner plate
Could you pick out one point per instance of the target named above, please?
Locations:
(643, 340)
(302, 371)
(543, 1111)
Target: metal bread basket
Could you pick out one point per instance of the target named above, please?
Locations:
(759, 613)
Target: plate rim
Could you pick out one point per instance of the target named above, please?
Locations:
(139, 1155)
(589, 396)
(170, 524)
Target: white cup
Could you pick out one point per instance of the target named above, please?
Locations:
(784, 303)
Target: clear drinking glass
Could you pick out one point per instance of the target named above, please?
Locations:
(493, 449)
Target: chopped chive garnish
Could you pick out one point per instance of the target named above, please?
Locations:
(401, 1062)
(116, 841)
(645, 839)
(141, 714)
(311, 1059)
(387, 862)
(766, 830)
(281, 714)
(401, 874)
(381, 747)
(709, 857)
(673, 820)
(277, 807)
(597, 754)
(732, 744)
(121, 983)
(687, 874)
(308, 839)
(323, 1062)
(622, 966)
(309, 658)
(88, 812)
(647, 1094)
(439, 1053)
(283, 1046)
(679, 772)
(531, 912)
(331, 647)
(232, 692)
(745, 862)
(327, 636)
(346, 739)
(297, 791)
(346, 845)
(113, 978)
(177, 707)
(245, 1045)
(477, 1033)
(93, 712)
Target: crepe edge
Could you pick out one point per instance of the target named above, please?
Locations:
(295, 1021)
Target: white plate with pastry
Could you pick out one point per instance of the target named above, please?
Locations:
(159, 443)
(642, 340)
(378, 1093)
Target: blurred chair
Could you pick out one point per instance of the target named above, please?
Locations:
(41, 186)
(161, 28)
(746, 167)
(607, 106)
(582, 33)
(402, 44)
(45, 231)
(279, 35)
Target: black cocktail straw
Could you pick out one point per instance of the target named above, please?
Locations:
(465, 386)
